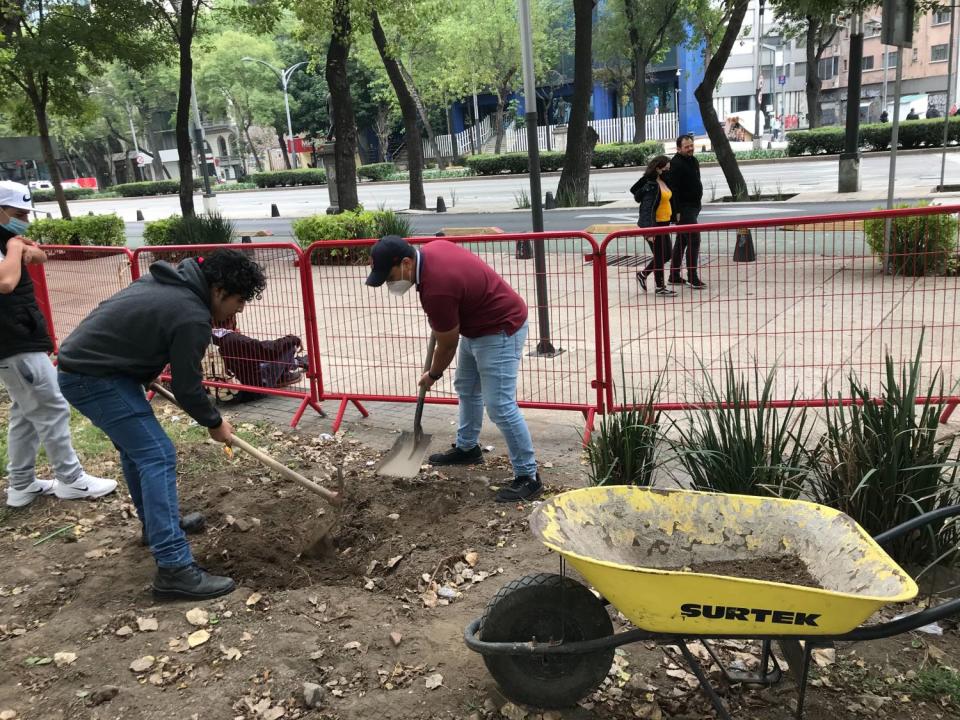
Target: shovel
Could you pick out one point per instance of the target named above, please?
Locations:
(406, 456)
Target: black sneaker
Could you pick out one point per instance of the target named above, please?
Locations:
(456, 456)
(521, 489)
(642, 279)
(665, 292)
(190, 582)
(697, 284)
(676, 280)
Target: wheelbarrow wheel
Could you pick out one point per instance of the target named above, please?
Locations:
(545, 608)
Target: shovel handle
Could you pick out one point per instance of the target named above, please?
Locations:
(328, 495)
(418, 416)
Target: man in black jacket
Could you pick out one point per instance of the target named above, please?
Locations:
(164, 317)
(38, 413)
(684, 180)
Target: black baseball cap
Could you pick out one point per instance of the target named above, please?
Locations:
(386, 255)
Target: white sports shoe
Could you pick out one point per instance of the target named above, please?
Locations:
(85, 487)
(22, 498)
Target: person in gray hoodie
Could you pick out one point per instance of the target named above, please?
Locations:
(163, 318)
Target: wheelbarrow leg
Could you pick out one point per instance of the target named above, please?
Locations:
(704, 681)
(804, 672)
(799, 658)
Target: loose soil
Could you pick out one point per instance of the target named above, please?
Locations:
(787, 569)
(376, 620)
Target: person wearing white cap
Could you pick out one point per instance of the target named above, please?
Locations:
(38, 412)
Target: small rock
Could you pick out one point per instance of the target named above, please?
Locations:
(313, 695)
(143, 664)
(254, 599)
(198, 617)
(103, 694)
(393, 516)
(198, 638)
(8, 714)
(512, 712)
(472, 558)
(147, 624)
(274, 713)
(354, 645)
(242, 525)
(62, 659)
(395, 638)
(124, 631)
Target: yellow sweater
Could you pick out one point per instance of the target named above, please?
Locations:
(663, 209)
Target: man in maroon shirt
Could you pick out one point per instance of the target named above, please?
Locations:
(469, 307)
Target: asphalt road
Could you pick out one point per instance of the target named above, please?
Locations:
(500, 193)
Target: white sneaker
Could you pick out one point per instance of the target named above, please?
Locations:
(86, 487)
(22, 498)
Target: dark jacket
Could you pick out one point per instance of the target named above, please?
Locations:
(164, 317)
(684, 180)
(647, 194)
(22, 325)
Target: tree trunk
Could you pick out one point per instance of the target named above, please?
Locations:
(813, 82)
(424, 116)
(453, 140)
(253, 149)
(639, 96)
(381, 129)
(344, 121)
(408, 109)
(184, 146)
(498, 122)
(574, 185)
(43, 126)
(704, 94)
(283, 147)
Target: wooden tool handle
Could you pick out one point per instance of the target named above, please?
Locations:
(418, 415)
(330, 496)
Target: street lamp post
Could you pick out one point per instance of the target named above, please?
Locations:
(758, 76)
(284, 76)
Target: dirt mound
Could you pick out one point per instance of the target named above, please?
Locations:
(262, 532)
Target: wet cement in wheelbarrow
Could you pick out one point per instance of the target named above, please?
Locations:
(787, 569)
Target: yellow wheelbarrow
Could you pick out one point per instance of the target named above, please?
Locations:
(548, 640)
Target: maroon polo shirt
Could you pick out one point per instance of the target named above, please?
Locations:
(458, 288)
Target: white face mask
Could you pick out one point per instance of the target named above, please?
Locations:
(399, 287)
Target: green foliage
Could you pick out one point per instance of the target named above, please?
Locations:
(435, 174)
(874, 136)
(881, 462)
(709, 157)
(143, 189)
(625, 154)
(919, 244)
(936, 683)
(290, 178)
(96, 230)
(350, 225)
(195, 230)
(377, 171)
(70, 193)
(736, 448)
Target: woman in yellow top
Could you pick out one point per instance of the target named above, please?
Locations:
(652, 193)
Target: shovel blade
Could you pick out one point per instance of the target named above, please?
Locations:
(405, 457)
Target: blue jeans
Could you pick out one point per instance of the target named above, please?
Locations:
(118, 406)
(487, 377)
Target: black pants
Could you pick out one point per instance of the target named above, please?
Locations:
(660, 247)
(687, 243)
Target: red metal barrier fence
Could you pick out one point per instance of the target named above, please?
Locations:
(815, 304)
(372, 344)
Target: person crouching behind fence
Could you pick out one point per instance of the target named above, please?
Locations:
(38, 413)
(470, 307)
(258, 363)
(163, 318)
(652, 193)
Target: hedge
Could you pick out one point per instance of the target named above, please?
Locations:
(70, 193)
(82, 230)
(198, 230)
(614, 154)
(153, 187)
(290, 178)
(873, 136)
(919, 244)
(376, 171)
(348, 225)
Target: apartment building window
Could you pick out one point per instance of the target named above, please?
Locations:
(938, 53)
(892, 59)
(941, 16)
(740, 103)
(829, 68)
(868, 62)
(800, 70)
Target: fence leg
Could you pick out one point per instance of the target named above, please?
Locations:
(340, 411)
(361, 408)
(948, 412)
(295, 420)
(589, 416)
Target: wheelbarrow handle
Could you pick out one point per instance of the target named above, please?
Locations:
(918, 522)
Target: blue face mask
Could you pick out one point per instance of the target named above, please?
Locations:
(16, 226)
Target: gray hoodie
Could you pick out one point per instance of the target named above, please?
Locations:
(164, 317)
